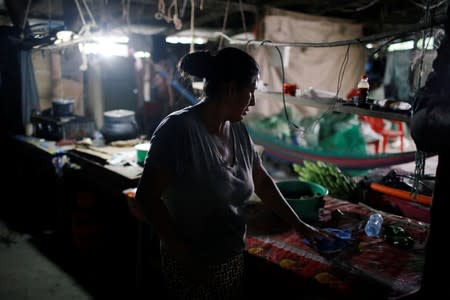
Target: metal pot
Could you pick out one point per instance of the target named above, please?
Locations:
(119, 124)
(62, 107)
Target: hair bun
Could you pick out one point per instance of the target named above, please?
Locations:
(199, 63)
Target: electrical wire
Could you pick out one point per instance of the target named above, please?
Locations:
(422, 54)
(427, 6)
(340, 79)
(282, 87)
(361, 8)
(383, 45)
(342, 71)
(362, 40)
(330, 108)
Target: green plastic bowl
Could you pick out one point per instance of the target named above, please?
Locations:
(305, 198)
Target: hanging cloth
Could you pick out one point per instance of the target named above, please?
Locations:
(29, 92)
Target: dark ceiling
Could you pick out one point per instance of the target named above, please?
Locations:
(376, 15)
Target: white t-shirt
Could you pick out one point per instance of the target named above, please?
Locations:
(206, 191)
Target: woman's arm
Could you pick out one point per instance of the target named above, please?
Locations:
(148, 198)
(269, 193)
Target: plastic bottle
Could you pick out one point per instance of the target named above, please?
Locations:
(363, 88)
(373, 225)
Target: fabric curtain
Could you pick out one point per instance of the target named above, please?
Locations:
(29, 92)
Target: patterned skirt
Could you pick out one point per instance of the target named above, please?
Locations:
(221, 281)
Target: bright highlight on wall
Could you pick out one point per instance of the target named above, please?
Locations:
(142, 54)
(408, 45)
(185, 40)
(429, 43)
(106, 46)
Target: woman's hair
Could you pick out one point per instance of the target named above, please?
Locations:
(229, 64)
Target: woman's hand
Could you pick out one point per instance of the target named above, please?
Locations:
(313, 234)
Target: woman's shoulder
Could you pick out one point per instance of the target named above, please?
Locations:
(176, 120)
(179, 116)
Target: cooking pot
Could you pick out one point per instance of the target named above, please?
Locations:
(62, 107)
(119, 124)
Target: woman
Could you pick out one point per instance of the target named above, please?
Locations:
(203, 165)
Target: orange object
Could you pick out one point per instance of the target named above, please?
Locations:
(405, 195)
(289, 88)
(377, 125)
(354, 92)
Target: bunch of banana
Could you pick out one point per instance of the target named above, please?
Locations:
(328, 175)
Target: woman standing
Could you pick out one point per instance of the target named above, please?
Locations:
(200, 168)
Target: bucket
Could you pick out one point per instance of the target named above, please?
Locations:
(305, 198)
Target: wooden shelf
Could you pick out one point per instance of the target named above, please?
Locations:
(339, 106)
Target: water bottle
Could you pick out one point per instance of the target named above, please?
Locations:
(373, 225)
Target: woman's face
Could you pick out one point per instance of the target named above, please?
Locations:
(241, 100)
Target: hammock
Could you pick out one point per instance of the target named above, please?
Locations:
(291, 153)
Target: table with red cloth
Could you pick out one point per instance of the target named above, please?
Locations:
(373, 261)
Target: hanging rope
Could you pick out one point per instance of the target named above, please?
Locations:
(91, 16)
(191, 49)
(49, 15)
(224, 24)
(80, 12)
(25, 19)
(183, 8)
(126, 14)
(244, 25)
(171, 15)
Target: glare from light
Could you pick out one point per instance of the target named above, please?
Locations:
(185, 40)
(104, 48)
(142, 54)
(429, 43)
(369, 46)
(121, 39)
(64, 35)
(408, 45)
(198, 85)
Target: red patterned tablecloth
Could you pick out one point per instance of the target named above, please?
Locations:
(393, 269)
